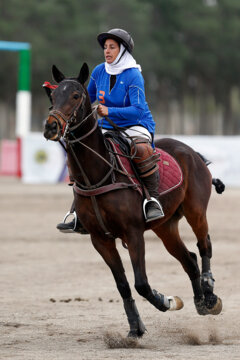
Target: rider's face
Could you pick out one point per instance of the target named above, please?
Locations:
(111, 50)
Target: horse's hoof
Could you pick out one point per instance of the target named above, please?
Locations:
(217, 308)
(202, 309)
(175, 303)
(136, 333)
(138, 330)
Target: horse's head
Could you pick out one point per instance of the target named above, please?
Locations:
(68, 99)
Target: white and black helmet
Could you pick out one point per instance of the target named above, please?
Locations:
(121, 36)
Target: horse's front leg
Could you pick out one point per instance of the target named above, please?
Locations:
(107, 249)
(136, 247)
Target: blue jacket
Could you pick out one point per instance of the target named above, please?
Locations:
(126, 102)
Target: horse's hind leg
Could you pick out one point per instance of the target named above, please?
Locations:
(107, 249)
(198, 221)
(136, 248)
(169, 234)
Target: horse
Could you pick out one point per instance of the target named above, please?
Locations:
(113, 209)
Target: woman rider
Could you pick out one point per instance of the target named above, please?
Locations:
(118, 86)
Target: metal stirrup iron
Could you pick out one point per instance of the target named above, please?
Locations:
(75, 218)
(146, 202)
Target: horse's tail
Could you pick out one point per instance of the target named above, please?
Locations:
(219, 185)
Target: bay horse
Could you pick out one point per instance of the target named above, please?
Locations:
(118, 213)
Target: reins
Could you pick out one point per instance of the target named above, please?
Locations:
(72, 128)
(88, 184)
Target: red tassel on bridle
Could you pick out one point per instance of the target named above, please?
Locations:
(49, 85)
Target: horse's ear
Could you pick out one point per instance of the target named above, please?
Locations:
(49, 93)
(57, 75)
(83, 74)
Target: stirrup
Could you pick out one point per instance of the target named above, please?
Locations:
(75, 218)
(152, 199)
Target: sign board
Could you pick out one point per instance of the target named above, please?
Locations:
(42, 161)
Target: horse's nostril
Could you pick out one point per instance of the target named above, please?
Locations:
(50, 130)
(46, 134)
(51, 127)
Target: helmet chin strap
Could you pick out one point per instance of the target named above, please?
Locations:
(121, 54)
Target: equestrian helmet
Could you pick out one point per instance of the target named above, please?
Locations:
(119, 35)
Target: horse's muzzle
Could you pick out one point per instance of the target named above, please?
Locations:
(51, 131)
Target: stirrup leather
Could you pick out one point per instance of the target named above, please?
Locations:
(75, 218)
(152, 199)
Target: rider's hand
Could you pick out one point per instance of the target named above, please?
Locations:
(102, 110)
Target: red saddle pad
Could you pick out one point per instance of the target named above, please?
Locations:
(170, 172)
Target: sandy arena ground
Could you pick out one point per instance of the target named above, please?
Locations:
(58, 299)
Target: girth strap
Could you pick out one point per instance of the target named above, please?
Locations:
(104, 189)
(99, 218)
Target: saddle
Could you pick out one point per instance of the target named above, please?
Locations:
(171, 176)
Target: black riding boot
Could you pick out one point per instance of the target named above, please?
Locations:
(153, 208)
(72, 226)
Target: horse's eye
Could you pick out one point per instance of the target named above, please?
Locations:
(76, 96)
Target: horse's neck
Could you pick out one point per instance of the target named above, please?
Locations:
(87, 153)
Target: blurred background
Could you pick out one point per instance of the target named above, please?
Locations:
(189, 52)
